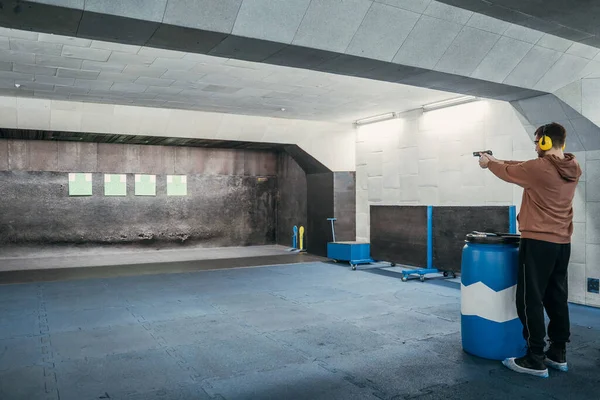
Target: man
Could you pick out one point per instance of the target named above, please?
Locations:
(546, 226)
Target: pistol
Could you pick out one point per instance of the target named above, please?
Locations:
(478, 153)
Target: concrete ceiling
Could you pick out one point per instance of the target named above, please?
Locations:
(68, 68)
(577, 20)
(406, 42)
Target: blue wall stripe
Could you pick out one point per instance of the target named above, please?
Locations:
(429, 237)
(512, 219)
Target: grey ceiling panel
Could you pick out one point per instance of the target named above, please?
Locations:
(246, 49)
(575, 20)
(350, 65)
(39, 17)
(300, 57)
(185, 39)
(392, 72)
(116, 29)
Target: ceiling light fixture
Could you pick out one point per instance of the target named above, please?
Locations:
(449, 103)
(376, 118)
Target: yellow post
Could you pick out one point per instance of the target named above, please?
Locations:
(301, 238)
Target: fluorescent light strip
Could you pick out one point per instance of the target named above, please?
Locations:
(449, 103)
(376, 118)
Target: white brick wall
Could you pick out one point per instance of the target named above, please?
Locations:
(430, 158)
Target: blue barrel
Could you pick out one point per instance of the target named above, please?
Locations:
(490, 326)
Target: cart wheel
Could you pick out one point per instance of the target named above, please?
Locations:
(393, 264)
(453, 275)
(335, 261)
(353, 267)
(422, 278)
(404, 279)
(445, 274)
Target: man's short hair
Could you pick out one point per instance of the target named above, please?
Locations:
(554, 131)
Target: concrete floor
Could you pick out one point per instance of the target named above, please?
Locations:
(303, 331)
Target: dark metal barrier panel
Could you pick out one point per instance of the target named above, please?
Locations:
(399, 234)
(451, 224)
(319, 208)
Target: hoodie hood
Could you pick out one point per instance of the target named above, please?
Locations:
(568, 167)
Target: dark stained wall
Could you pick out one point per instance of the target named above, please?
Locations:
(291, 204)
(227, 203)
(320, 207)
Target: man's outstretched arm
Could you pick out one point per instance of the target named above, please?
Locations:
(517, 173)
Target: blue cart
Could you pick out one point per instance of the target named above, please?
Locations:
(355, 253)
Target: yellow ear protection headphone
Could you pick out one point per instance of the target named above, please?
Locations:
(545, 142)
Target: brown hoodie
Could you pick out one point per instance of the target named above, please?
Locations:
(549, 185)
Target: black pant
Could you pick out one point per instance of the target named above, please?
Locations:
(543, 284)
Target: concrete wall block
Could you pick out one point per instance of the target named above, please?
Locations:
(362, 201)
(152, 160)
(451, 159)
(18, 155)
(592, 173)
(362, 177)
(391, 196)
(8, 117)
(361, 153)
(581, 159)
(408, 137)
(3, 155)
(362, 226)
(409, 161)
(428, 145)
(132, 159)
(94, 122)
(502, 146)
(35, 47)
(77, 157)
(285, 18)
(592, 219)
(428, 173)
(382, 32)
(28, 118)
(148, 10)
(592, 155)
(409, 188)
(391, 176)
(203, 14)
(592, 299)
(449, 187)
(184, 160)
(473, 195)
(124, 124)
(496, 189)
(577, 283)
(429, 196)
(578, 243)
(375, 164)
(43, 155)
(592, 271)
(427, 42)
(579, 204)
(111, 158)
(324, 17)
(61, 120)
(153, 125)
(375, 188)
